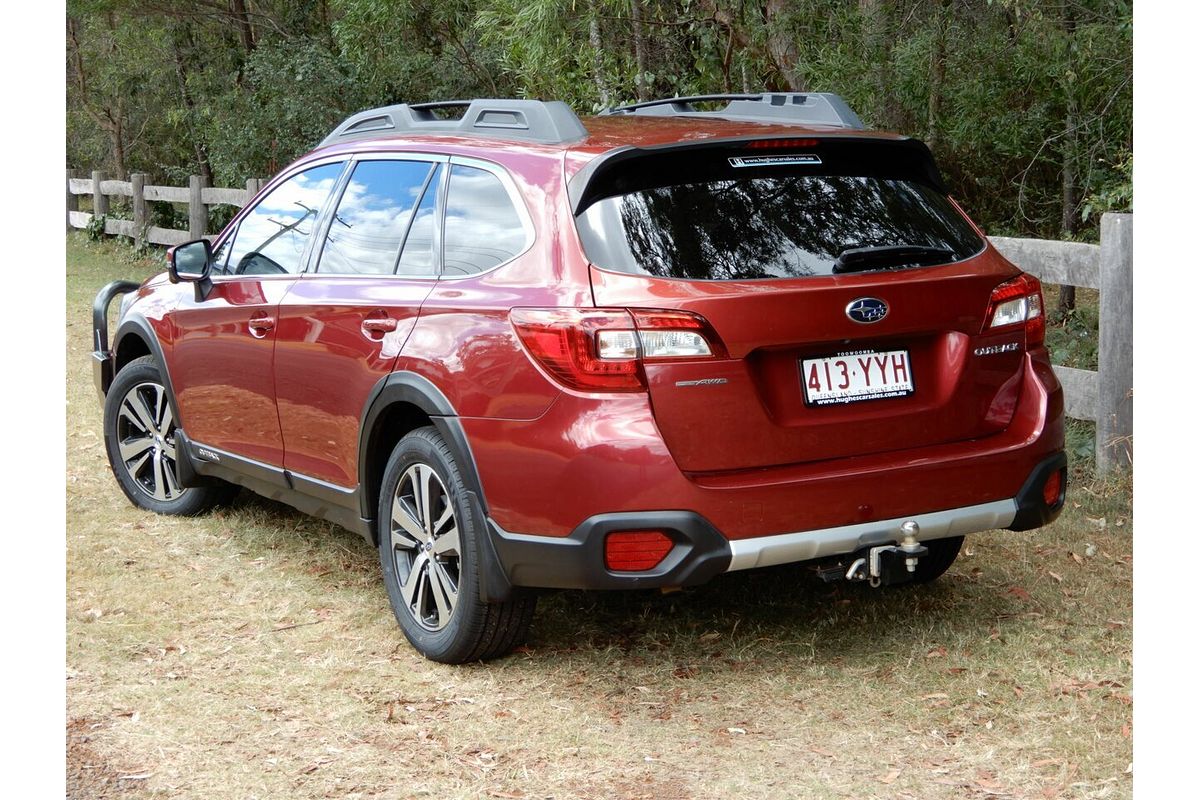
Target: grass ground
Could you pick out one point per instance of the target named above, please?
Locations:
(251, 654)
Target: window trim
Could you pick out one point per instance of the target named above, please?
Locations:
(235, 225)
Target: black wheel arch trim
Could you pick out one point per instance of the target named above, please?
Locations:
(416, 390)
(137, 326)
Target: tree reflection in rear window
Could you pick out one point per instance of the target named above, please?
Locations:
(768, 227)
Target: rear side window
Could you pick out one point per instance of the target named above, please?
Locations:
(271, 239)
(373, 216)
(483, 228)
(769, 225)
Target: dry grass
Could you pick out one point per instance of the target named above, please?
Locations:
(251, 653)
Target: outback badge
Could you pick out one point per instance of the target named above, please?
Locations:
(867, 309)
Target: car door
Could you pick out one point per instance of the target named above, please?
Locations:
(342, 325)
(221, 361)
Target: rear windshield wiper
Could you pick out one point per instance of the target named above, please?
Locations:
(862, 259)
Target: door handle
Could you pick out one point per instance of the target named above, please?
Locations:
(380, 325)
(261, 326)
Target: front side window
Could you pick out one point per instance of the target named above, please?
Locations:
(270, 240)
(374, 214)
(483, 228)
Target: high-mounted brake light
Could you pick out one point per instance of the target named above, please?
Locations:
(603, 349)
(774, 144)
(1018, 302)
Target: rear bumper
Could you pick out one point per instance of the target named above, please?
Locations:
(551, 485)
(701, 552)
(588, 456)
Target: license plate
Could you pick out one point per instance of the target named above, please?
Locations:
(851, 377)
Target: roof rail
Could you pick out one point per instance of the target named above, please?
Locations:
(550, 122)
(806, 108)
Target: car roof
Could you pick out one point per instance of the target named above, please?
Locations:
(604, 134)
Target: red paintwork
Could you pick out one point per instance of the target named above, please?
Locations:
(747, 455)
(222, 375)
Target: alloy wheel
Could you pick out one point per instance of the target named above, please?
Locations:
(426, 548)
(146, 441)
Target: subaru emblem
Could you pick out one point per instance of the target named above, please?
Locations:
(867, 309)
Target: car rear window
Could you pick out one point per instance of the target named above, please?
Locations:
(768, 224)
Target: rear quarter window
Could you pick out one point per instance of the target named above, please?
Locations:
(483, 228)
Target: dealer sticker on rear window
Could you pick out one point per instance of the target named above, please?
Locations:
(774, 161)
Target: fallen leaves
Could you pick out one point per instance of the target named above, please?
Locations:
(1019, 593)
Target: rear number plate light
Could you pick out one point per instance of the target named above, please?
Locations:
(851, 377)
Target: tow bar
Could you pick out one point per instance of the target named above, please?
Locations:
(890, 564)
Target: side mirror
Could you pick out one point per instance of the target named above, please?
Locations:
(191, 263)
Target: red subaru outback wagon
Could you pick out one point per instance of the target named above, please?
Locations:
(519, 350)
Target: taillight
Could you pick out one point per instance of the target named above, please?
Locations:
(602, 349)
(636, 551)
(1019, 302)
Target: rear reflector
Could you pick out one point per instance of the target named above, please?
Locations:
(1052, 490)
(636, 551)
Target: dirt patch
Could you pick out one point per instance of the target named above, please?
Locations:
(89, 775)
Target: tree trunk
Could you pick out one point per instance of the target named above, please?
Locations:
(597, 63)
(183, 36)
(875, 21)
(639, 51)
(1070, 181)
(116, 136)
(937, 74)
(237, 8)
(781, 45)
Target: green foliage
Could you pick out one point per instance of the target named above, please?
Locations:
(1017, 98)
(1074, 340)
(1115, 193)
(95, 227)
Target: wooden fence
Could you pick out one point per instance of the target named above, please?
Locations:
(197, 196)
(1104, 397)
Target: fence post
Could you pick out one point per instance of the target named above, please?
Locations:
(197, 213)
(1114, 407)
(251, 189)
(99, 201)
(138, 181)
(72, 200)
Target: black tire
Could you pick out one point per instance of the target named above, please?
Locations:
(942, 553)
(429, 552)
(139, 437)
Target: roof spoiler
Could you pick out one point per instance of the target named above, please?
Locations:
(838, 154)
(544, 122)
(796, 108)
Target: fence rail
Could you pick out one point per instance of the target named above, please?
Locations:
(1104, 396)
(197, 196)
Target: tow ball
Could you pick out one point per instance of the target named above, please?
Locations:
(893, 563)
